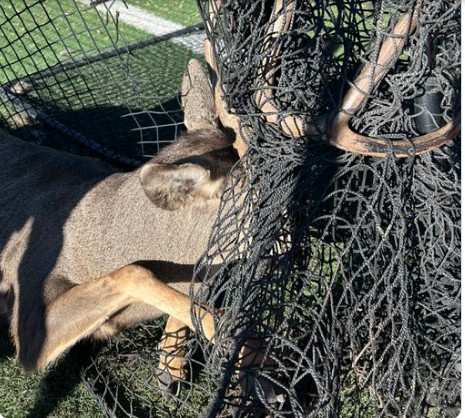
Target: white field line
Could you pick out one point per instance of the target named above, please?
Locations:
(148, 22)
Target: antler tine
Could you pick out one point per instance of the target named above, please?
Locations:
(340, 134)
(369, 78)
(292, 125)
(349, 140)
(370, 75)
(227, 119)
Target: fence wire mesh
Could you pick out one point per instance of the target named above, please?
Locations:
(344, 268)
(77, 78)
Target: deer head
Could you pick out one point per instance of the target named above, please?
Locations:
(191, 170)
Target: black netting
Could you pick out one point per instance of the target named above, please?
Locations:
(77, 78)
(345, 268)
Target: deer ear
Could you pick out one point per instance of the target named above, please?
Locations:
(197, 98)
(172, 187)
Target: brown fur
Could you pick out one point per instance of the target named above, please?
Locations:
(72, 230)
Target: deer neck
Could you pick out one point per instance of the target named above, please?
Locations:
(140, 230)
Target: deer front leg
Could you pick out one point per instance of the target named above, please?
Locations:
(173, 351)
(83, 309)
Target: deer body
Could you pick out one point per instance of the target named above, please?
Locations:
(111, 242)
(110, 221)
(75, 232)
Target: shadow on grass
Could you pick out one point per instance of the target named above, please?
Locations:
(111, 133)
(60, 381)
(7, 350)
(56, 384)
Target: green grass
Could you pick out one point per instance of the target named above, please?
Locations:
(128, 364)
(184, 12)
(38, 35)
(148, 80)
(57, 392)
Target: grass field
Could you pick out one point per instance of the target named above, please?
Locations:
(57, 392)
(32, 40)
(39, 36)
(94, 99)
(28, 35)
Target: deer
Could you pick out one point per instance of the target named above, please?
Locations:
(87, 250)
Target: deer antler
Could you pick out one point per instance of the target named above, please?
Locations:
(281, 19)
(343, 137)
(228, 120)
(292, 125)
(340, 133)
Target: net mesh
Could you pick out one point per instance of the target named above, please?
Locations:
(345, 267)
(77, 78)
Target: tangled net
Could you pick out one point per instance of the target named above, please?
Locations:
(347, 266)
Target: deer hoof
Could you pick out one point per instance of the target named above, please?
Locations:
(168, 384)
(262, 390)
(267, 391)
